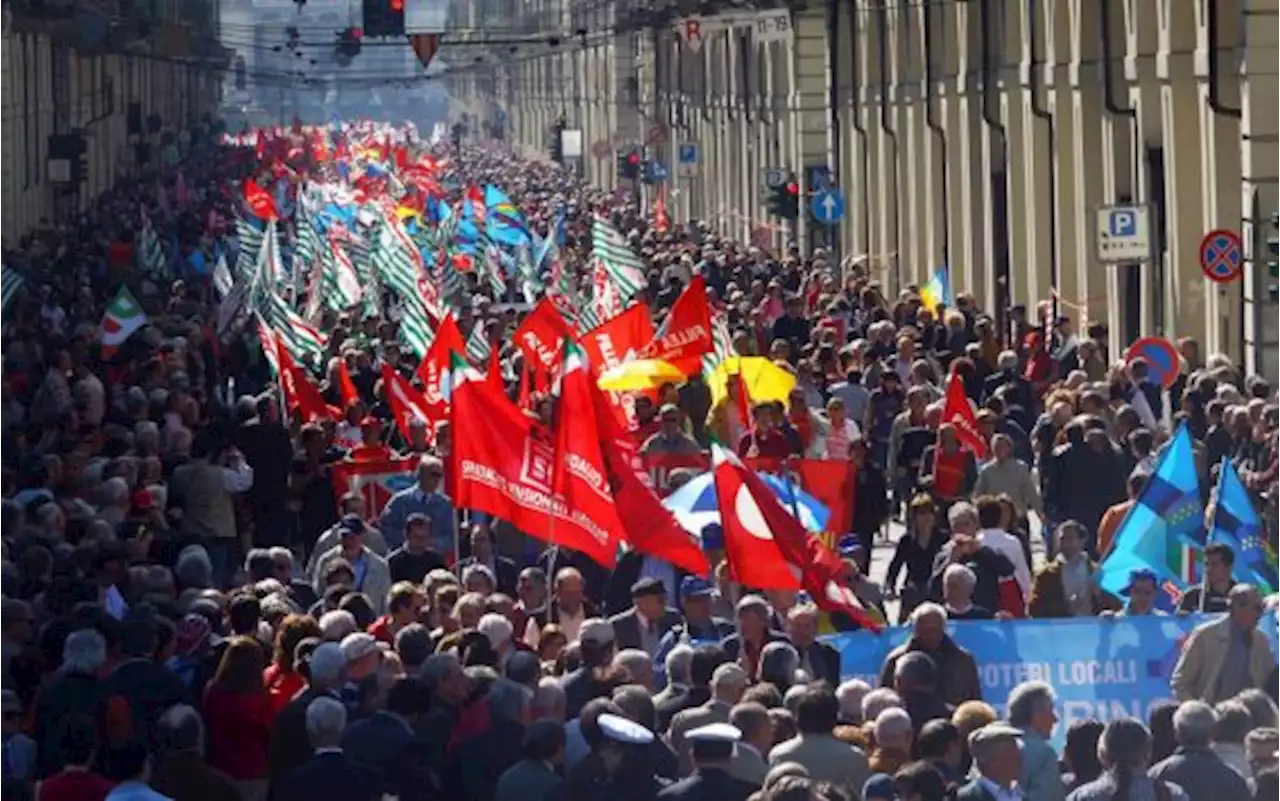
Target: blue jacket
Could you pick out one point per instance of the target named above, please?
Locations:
(438, 509)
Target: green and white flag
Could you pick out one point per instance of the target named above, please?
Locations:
(624, 269)
(150, 254)
(12, 285)
(478, 348)
(250, 242)
(341, 284)
(123, 317)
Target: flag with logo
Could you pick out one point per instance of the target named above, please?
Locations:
(1236, 524)
(958, 411)
(123, 317)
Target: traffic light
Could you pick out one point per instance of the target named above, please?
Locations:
(66, 159)
(348, 46)
(630, 164)
(784, 200)
(383, 18)
(1273, 260)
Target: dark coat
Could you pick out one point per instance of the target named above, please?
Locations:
(1201, 774)
(65, 695)
(924, 707)
(1048, 599)
(380, 741)
(626, 628)
(973, 791)
(148, 688)
(527, 780)
(957, 671)
(708, 784)
(290, 747)
(479, 761)
(331, 774)
(588, 780)
(617, 591)
(668, 702)
(553, 559)
(825, 661)
(184, 776)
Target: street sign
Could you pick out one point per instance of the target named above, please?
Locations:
(571, 143)
(1161, 358)
(658, 171)
(1124, 233)
(602, 148)
(774, 177)
(657, 135)
(763, 26)
(762, 237)
(818, 177)
(827, 206)
(687, 158)
(1221, 256)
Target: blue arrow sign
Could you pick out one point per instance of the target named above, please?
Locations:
(827, 206)
(658, 171)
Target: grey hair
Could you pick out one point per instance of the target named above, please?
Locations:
(181, 729)
(193, 568)
(1026, 698)
(877, 701)
(779, 659)
(326, 719)
(1193, 724)
(961, 573)
(437, 667)
(850, 694)
(549, 699)
(280, 553)
(636, 662)
(1125, 745)
(728, 677)
(891, 724)
(84, 651)
(497, 628)
(678, 662)
(961, 509)
(508, 700)
(114, 490)
(336, 624)
(1242, 592)
(479, 570)
(928, 609)
(1007, 360)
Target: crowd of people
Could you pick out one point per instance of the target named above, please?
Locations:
(191, 612)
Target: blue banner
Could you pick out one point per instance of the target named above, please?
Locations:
(1100, 667)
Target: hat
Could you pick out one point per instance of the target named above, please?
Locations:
(358, 646)
(648, 586)
(668, 408)
(370, 420)
(849, 545)
(713, 537)
(621, 730)
(351, 524)
(596, 630)
(993, 732)
(879, 787)
(714, 741)
(696, 587)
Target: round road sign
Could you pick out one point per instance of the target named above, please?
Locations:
(1221, 256)
(1161, 358)
(656, 136)
(602, 149)
(762, 236)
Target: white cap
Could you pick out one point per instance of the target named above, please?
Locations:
(358, 646)
(715, 733)
(621, 730)
(597, 630)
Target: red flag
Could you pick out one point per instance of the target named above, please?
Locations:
(661, 222)
(346, 386)
(768, 548)
(494, 374)
(541, 336)
(686, 333)
(300, 394)
(407, 403)
(502, 468)
(615, 341)
(435, 366)
(259, 201)
(959, 412)
(375, 480)
(648, 525)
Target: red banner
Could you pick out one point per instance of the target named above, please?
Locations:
(541, 338)
(376, 480)
(613, 342)
(829, 481)
(686, 333)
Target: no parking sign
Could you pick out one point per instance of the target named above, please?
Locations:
(1161, 358)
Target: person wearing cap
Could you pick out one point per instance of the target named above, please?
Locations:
(332, 537)
(595, 677)
(372, 576)
(616, 768)
(424, 497)
(648, 620)
(997, 760)
(713, 748)
(670, 438)
(698, 624)
(371, 445)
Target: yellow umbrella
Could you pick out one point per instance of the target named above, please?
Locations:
(640, 374)
(764, 380)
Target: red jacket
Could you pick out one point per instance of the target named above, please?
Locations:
(238, 729)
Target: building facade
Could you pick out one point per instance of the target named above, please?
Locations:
(979, 135)
(124, 77)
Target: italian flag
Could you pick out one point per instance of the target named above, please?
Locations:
(123, 317)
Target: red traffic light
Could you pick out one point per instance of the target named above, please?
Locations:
(357, 33)
(793, 189)
(633, 159)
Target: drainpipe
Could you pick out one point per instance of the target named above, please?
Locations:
(860, 128)
(1215, 99)
(833, 105)
(936, 129)
(892, 136)
(1041, 112)
(991, 117)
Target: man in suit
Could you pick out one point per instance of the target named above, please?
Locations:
(713, 747)
(997, 760)
(1031, 710)
(372, 576)
(380, 741)
(818, 659)
(504, 570)
(290, 747)
(815, 746)
(728, 682)
(1226, 656)
(748, 763)
(648, 620)
(329, 773)
(631, 567)
(534, 777)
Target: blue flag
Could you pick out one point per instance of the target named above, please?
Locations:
(1168, 513)
(1236, 525)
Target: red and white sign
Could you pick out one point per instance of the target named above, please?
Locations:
(602, 149)
(657, 135)
(1222, 256)
(375, 480)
